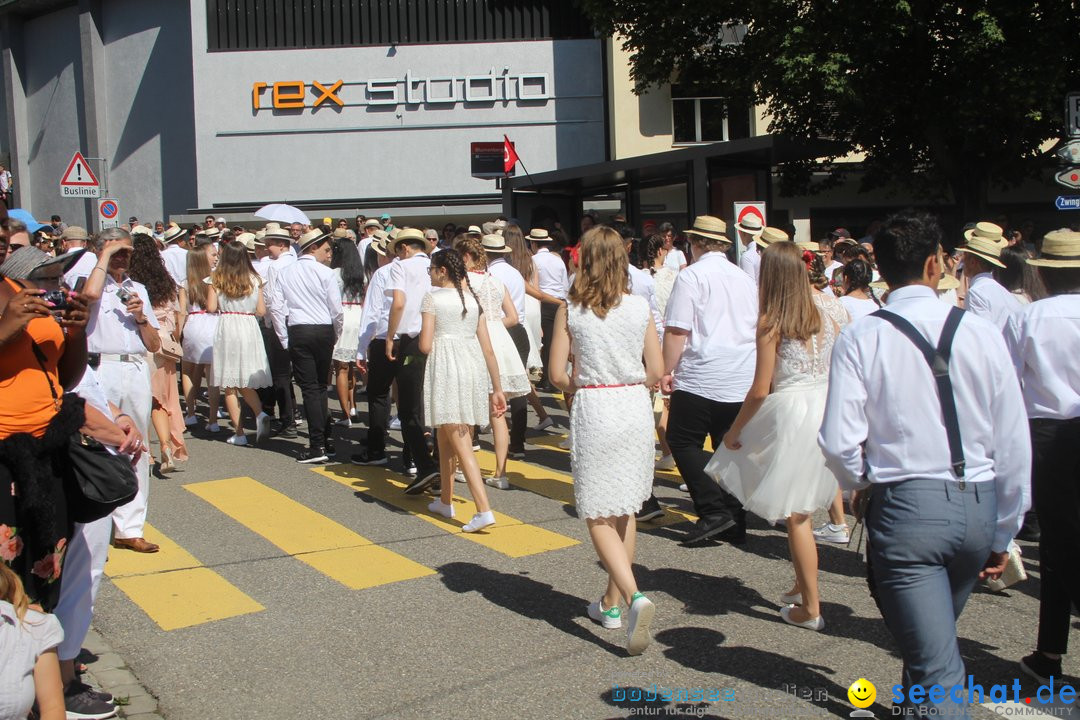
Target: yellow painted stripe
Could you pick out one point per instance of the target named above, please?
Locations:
(508, 535)
(314, 539)
(172, 587)
(560, 486)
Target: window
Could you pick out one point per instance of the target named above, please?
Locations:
(707, 119)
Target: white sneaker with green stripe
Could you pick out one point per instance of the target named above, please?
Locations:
(610, 618)
(637, 632)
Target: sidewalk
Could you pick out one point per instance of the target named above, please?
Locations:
(107, 671)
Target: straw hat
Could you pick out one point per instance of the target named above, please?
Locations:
(948, 281)
(171, 235)
(380, 242)
(274, 231)
(74, 232)
(475, 230)
(406, 235)
(539, 235)
(770, 235)
(494, 244)
(809, 245)
(751, 225)
(212, 233)
(372, 222)
(1060, 249)
(986, 232)
(141, 230)
(341, 234)
(311, 238)
(259, 235)
(247, 240)
(985, 241)
(710, 227)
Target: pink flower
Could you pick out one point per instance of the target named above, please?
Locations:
(10, 544)
(48, 567)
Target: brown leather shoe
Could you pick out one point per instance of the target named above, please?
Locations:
(136, 544)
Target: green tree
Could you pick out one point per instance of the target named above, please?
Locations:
(944, 98)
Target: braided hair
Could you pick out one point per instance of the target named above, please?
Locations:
(652, 251)
(815, 268)
(858, 275)
(453, 263)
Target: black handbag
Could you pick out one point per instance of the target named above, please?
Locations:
(97, 481)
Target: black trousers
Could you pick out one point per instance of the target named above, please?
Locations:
(519, 406)
(311, 348)
(410, 384)
(1055, 480)
(690, 418)
(281, 373)
(381, 374)
(547, 327)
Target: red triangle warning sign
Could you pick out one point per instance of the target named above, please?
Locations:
(78, 173)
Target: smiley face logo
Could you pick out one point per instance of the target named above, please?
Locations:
(862, 693)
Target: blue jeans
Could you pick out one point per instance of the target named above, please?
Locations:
(928, 541)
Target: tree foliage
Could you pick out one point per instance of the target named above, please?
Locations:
(940, 95)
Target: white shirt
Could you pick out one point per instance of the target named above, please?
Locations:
(262, 266)
(718, 304)
(375, 317)
(514, 282)
(363, 246)
(874, 366)
(305, 293)
(750, 262)
(81, 269)
(175, 258)
(858, 307)
(675, 259)
(643, 285)
(273, 269)
(410, 276)
(1044, 339)
(22, 642)
(111, 328)
(551, 273)
(989, 299)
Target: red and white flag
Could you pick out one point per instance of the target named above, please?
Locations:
(510, 156)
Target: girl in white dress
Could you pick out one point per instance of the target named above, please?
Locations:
(240, 364)
(858, 299)
(460, 376)
(499, 314)
(770, 459)
(656, 253)
(197, 338)
(349, 271)
(605, 332)
(521, 259)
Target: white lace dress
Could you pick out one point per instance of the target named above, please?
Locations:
(456, 380)
(612, 455)
(489, 291)
(352, 310)
(780, 469)
(239, 353)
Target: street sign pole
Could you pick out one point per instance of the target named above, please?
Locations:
(1069, 151)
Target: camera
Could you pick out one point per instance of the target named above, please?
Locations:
(123, 295)
(58, 298)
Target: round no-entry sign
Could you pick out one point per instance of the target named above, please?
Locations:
(109, 209)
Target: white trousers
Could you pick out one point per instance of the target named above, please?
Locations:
(84, 564)
(127, 385)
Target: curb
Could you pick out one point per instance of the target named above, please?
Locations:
(110, 673)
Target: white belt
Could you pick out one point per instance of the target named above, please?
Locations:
(125, 357)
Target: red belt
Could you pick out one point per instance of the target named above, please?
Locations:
(197, 312)
(234, 313)
(597, 387)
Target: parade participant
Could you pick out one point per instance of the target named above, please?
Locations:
(306, 310)
(119, 335)
(857, 298)
(240, 366)
(343, 224)
(986, 297)
(197, 338)
(281, 255)
(349, 274)
(175, 253)
(406, 287)
(750, 229)
(946, 462)
(663, 282)
(550, 289)
(462, 381)
(168, 302)
(611, 418)
(709, 349)
(500, 314)
(371, 358)
(370, 228)
(770, 460)
(521, 259)
(1044, 339)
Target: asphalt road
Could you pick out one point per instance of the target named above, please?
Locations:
(283, 592)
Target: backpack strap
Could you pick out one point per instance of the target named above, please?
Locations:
(938, 360)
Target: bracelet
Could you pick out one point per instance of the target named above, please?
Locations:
(141, 323)
(98, 267)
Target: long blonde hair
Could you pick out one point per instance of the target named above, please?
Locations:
(602, 277)
(787, 306)
(474, 249)
(11, 590)
(232, 276)
(198, 267)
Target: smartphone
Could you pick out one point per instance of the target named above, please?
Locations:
(79, 284)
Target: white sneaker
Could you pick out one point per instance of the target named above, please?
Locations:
(213, 427)
(344, 422)
(479, 521)
(832, 533)
(665, 463)
(436, 506)
(544, 425)
(191, 420)
(637, 632)
(222, 415)
(567, 444)
(684, 488)
(262, 427)
(395, 423)
(498, 482)
(459, 476)
(237, 440)
(610, 618)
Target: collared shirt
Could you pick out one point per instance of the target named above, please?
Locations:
(111, 328)
(551, 273)
(875, 366)
(308, 293)
(261, 266)
(363, 245)
(675, 259)
(375, 317)
(81, 269)
(989, 299)
(515, 284)
(410, 276)
(275, 267)
(1044, 339)
(750, 262)
(175, 258)
(643, 285)
(717, 303)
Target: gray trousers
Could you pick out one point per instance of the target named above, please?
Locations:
(928, 541)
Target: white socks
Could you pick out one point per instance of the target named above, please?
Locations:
(479, 521)
(437, 506)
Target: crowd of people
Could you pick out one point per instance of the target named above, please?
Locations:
(829, 373)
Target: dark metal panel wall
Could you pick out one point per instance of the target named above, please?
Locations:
(273, 24)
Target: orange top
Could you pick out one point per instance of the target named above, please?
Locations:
(26, 405)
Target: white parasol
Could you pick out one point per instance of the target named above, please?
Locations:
(282, 213)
